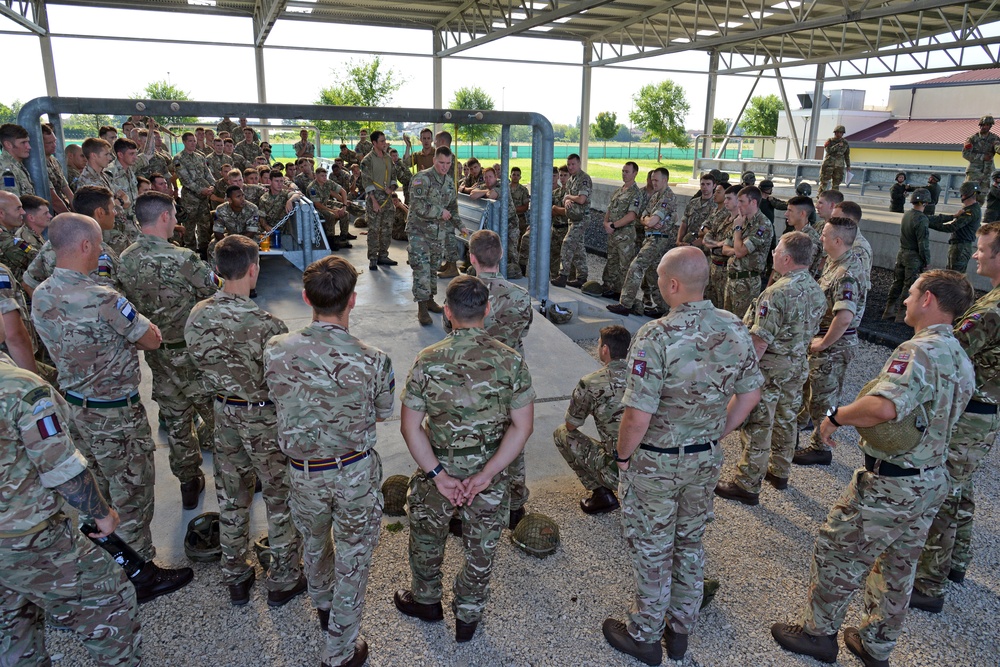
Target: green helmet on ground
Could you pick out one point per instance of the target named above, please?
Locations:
(559, 315)
(201, 543)
(394, 491)
(593, 287)
(537, 535)
(262, 547)
(921, 196)
(895, 438)
(968, 189)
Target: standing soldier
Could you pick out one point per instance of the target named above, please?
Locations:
(99, 156)
(424, 158)
(979, 150)
(167, 281)
(217, 158)
(364, 147)
(226, 335)
(914, 254)
(875, 530)
(747, 249)
(467, 412)
(720, 228)
(434, 208)
(303, 147)
(93, 334)
(559, 222)
(623, 210)
(576, 201)
(248, 149)
(196, 187)
(376, 174)
(692, 379)
(522, 200)
(836, 161)
(697, 211)
(329, 389)
(782, 321)
(14, 177)
(598, 394)
(962, 226)
(452, 246)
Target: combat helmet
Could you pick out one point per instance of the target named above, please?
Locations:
(201, 543)
(986, 120)
(968, 189)
(558, 314)
(996, 175)
(748, 178)
(593, 288)
(893, 438)
(803, 189)
(262, 547)
(921, 196)
(840, 128)
(394, 491)
(766, 184)
(536, 535)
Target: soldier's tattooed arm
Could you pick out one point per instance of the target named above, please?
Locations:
(82, 493)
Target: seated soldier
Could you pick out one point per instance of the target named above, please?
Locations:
(330, 201)
(402, 210)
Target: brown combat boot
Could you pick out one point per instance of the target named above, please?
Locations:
(433, 306)
(422, 315)
(449, 270)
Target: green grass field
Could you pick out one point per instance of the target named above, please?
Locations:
(680, 170)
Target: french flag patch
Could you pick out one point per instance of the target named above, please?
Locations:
(48, 426)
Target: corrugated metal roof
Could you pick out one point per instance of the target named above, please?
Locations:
(948, 131)
(972, 76)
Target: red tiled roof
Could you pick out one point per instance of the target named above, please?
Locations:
(931, 132)
(972, 76)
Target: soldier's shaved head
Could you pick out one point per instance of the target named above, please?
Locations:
(68, 230)
(686, 265)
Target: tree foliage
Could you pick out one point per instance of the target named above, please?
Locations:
(366, 83)
(8, 114)
(605, 127)
(474, 98)
(163, 90)
(660, 109)
(761, 116)
(81, 126)
(720, 125)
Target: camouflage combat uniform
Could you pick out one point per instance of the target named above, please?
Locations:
(621, 242)
(44, 262)
(979, 150)
(949, 542)
(560, 225)
(125, 231)
(836, 160)
(744, 274)
(598, 394)
(431, 195)
(15, 252)
(521, 197)
(329, 389)
(514, 260)
(57, 179)
(246, 222)
(786, 317)
(49, 567)
(914, 255)
(363, 148)
(862, 249)
(215, 162)
(167, 281)
(962, 227)
(90, 331)
(403, 176)
(194, 175)
(682, 370)
(14, 176)
(225, 335)
(466, 385)
(158, 163)
(696, 213)
(718, 228)
(658, 240)
(304, 148)
(573, 256)
(376, 175)
(324, 194)
(123, 178)
(248, 150)
(12, 299)
(880, 522)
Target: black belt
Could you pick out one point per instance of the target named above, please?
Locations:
(649, 234)
(886, 469)
(690, 449)
(847, 332)
(98, 404)
(980, 408)
(560, 226)
(464, 451)
(234, 400)
(739, 275)
(179, 345)
(310, 465)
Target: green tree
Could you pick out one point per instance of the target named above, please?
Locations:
(85, 125)
(761, 117)
(473, 98)
(163, 90)
(660, 109)
(341, 95)
(605, 127)
(8, 114)
(623, 133)
(720, 125)
(366, 83)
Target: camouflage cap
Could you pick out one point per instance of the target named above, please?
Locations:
(894, 438)
(748, 178)
(986, 120)
(394, 491)
(968, 189)
(201, 542)
(593, 287)
(840, 128)
(921, 196)
(537, 535)
(558, 314)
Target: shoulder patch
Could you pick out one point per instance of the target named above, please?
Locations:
(897, 366)
(5, 282)
(216, 280)
(763, 309)
(8, 180)
(848, 294)
(125, 308)
(104, 265)
(21, 244)
(48, 426)
(36, 394)
(639, 368)
(970, 323)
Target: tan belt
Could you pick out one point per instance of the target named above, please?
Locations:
(37, 528)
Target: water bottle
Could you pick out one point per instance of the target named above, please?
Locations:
(123, 554)
(276, 244)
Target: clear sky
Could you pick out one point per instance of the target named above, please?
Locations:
(103, 68)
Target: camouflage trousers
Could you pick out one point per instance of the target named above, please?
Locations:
(589, 458)
(873, 534)
(621, 250)
(398, 226)
(331, 222)
(197, 220)
(769, 434)
(246, 445)
(482, 522)
(980, 172)
(908, 265)
(666, 501)
(830, 176)
(959, 255)
(424, 250)
(555, 250)
(59, 572)
(573, 255)
(949, 540)
(715, 291)
(348, 501)
(513, 250)
(379, 230)
(740, 293)
(826, 380)
(119, 447)
(452, 249)
(180, 391)
(517, 485)
(644, 267)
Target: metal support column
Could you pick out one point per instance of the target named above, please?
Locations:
(788, 114)
(258, 61)
(588, 55)
(739, 116)
(817, 109)
(57, 129)
(436, 78)
(713, 80)
(505, 198)
(45, 42)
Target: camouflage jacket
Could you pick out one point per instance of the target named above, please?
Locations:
(248, 150)
(57, 179)
(124, 179)
(578, 184)
(978, 332)
(510, 311)
(600, 394)
(431, 194)
(12, 299)
(323, 193)
(125, 230)
(215, 162)
(225, 337)
(757, 234)
(42, 266)
(363, 148)
(14, 176)
(844, 289)
(786, 316)
(193, 173)
(624, 200)
(329, 388)
(663, 206)
(376, 175)
(962, 226)
(696, 213)
(246, 222)
(684, 367)
(158, 163)
(272, 206)
(15, 252)
(520, 195)
(401, 173)
(838, 153)
(979, 150)
(304, 148)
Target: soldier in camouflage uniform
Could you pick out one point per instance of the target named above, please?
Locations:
(522, 200)
(947, 552)
(167, 281)
(490, 189)
(21, 342)
(836, 161)
(979, 150)
(716, 229)
(559, 227)
(660, 234)
(623, 210)
(399, 171)
(666, 482)
(914, 253)
(576, 201)
(836, 343)
(992, 212)
(122, 172)
(303, 147)
(747, 249)
(248, 149)
(467, 412)
(376, 174)
(278, 202)
(598, 394)
(49, 567)
(36, 220)
(782, 321)
(59, 190)
(962, 226)
(330, 388)
(330, 201)
(235, 216)
(879, 524)
(217, 158)
(697, 211)
(225, 335)
(75, 162)
(452, 246)
(232, 157)
(226, 125)
(99, 156)
(800, 208)
(14, 177)
(434, 207)
(364, 147)
(15, 252)
(196, 187)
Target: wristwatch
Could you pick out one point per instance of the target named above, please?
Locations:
(832, 416)
(737, 228)
(434, 473)
(619, 459)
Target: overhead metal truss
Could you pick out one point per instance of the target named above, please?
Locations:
(24, 13)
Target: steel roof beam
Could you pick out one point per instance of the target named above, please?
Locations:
(20, 16)
(265, 14)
